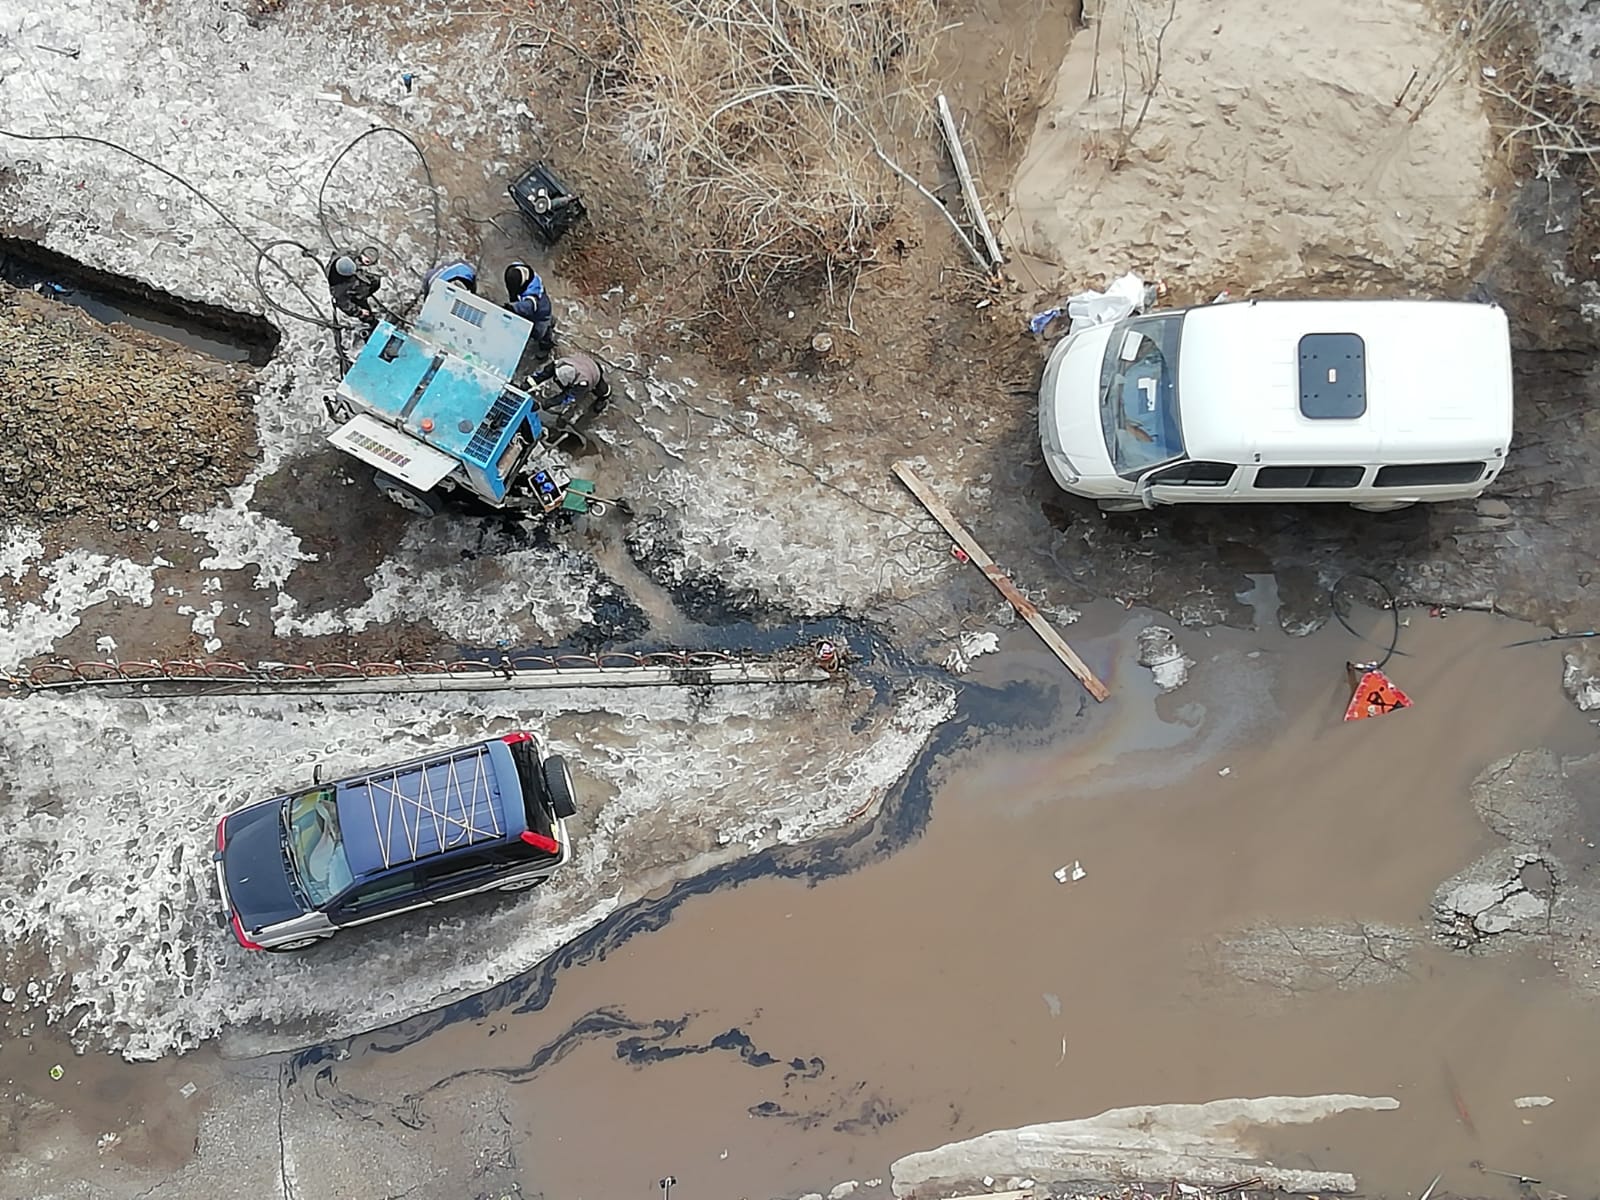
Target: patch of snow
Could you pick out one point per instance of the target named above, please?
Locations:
(808, 547)
(1158, 650)
(1533, 1101)
(1206, 1144)
(19, 548)
(79, 580)
(110, 810)
(239, 536)
(541, 593)
(969, 646)
(1581, 681)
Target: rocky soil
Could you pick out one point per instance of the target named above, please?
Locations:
(109, 427)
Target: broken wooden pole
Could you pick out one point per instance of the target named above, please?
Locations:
(969, 185)
(1025, 608)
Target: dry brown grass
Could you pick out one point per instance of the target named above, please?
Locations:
(764, 124)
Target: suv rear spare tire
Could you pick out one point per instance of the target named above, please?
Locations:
(558, 786)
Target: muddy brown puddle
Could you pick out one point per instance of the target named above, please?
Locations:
(777, 1037)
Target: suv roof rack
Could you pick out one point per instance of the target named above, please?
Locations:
(402, 814)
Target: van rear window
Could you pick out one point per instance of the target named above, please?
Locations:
(1309, 477)
(1429, 474)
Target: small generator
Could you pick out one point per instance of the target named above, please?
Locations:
(550, 206)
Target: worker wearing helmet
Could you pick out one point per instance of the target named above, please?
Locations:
(458, 272)
(352, 284)
(525, 296)
(572, 378)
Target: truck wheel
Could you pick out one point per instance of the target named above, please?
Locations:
(558, 786)
(414, 500)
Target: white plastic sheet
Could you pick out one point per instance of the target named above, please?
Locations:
(1123, 297)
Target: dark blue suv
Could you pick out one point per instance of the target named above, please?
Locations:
(300, 867)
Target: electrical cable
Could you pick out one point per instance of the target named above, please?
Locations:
(1391, 604)
(261, 251)
(1553, 637)
(433, 198)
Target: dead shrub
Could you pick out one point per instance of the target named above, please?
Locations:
(763, 124)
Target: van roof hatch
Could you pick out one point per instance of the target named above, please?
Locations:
(1333, 376)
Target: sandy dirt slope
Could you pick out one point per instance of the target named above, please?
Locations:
(1270, 146)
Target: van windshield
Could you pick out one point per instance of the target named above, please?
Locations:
(1139, 394)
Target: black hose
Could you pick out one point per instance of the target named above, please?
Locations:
(1553, 637)
(433, 198)
(258, 247)
(1391, 604)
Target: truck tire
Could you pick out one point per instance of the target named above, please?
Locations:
(558, 786)
(413, 500)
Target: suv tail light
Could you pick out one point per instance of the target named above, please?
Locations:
(512, 739)
(539, 842)
(222, 835)
(238, 932)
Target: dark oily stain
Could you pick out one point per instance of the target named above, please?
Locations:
(617, 619)
(872, 1113)
(900, 821)
(220, 332)
(645, 1050)
(655, 543)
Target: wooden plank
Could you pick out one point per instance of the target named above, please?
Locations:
(969, 185)
(1025, 609)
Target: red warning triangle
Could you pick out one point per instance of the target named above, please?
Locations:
(1374, 696)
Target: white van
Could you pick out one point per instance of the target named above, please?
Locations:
(1375, 403)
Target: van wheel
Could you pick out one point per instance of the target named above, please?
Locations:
(1381, 506)
(558, 786)
(1119, 506)
(414, 500)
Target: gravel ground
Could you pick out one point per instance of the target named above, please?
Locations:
(107, 427)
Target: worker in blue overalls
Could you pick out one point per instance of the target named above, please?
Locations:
(525, 296)
(459, 272)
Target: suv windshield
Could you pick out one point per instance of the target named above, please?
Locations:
(315, 845)
(1139, 394)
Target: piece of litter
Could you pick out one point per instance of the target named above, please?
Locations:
(988, 1181)
(57, 1071)
(724, 1154)
(1533, 1101)
(1225, 771)
(1053, 1003)
(187, 1090)
(1490, 73)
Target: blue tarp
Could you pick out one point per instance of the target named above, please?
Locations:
(411, 812)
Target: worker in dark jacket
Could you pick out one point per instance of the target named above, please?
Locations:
(352, 286)
(459, 272)
(525, 296)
